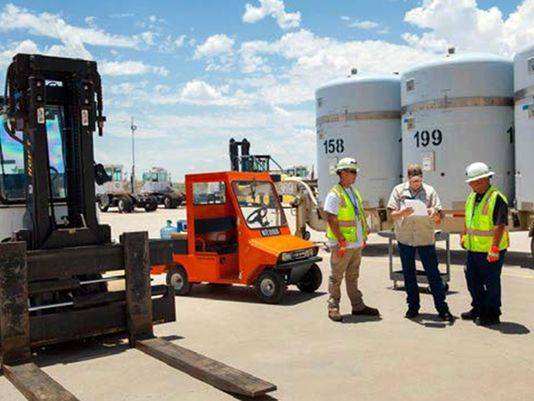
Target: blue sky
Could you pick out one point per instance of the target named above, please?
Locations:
(196, 73)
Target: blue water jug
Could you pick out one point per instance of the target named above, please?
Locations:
(181, 225)
(165, 232)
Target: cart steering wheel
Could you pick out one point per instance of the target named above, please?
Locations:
(258, 215)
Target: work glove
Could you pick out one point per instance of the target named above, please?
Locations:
(342, 248)
(493, 254)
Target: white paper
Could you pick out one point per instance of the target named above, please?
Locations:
(419, 208)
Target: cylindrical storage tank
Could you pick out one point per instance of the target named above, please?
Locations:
(359, 117)
(456, 111)
(524, 128)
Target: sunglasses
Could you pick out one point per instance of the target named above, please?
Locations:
(351, 171)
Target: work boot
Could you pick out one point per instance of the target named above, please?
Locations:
(367, 311)
(446, 316)
(469, 315)
(334, 315)
(411, 313)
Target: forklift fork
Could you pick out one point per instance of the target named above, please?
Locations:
(135, 314)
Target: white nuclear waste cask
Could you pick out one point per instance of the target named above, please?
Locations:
(524, 128)
(359, 117)
(455, 111)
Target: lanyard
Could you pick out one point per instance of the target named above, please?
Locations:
(354, 205)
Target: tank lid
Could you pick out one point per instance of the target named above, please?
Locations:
(361, 78)
(456, 58)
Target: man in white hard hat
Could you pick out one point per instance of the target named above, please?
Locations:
(415, 234)
(486, 239)
(346, 233)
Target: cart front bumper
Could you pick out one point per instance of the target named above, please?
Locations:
(296, 270)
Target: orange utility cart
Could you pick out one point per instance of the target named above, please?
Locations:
(237, 233)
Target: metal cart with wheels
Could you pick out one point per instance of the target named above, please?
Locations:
(397, 275)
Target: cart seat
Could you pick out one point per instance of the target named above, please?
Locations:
(179, 243)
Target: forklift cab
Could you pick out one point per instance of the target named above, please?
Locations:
(238, 234)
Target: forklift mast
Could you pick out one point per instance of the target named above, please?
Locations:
(42, 92)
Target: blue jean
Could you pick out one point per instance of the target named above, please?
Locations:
(484, 283)
(429, 258)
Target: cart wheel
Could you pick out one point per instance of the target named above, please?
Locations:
(270, 287)
(177, 278)
(306, 235)
(395, 285)
(312, 280)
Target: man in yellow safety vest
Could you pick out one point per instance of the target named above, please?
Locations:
(486, 239)
(346, 233)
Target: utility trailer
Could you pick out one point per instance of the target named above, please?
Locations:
(157, 183)
(117, 192)
(57, 259)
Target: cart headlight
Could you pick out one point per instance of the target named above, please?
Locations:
(296, 255)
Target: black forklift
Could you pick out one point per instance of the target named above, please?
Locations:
(57, 261)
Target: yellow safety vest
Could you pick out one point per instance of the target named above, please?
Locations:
(346, 216)
(479, 222)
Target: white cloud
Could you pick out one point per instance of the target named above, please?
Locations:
(215, 45)
(179, 41)
(53, 26)
(364, 24)
(218, 51)
(274, 8)
(463, 24)
(115, 68)
(313, 60)
(345, 18)
(7, 53)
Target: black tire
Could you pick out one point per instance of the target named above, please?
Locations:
(177, 278)
(306, 235)
(103, 203)
(312, 280)
(125, 204)
(170, 202)
(151, 205)
(270, 287)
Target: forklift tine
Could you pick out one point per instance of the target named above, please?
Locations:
(205, 369)
(35, 384)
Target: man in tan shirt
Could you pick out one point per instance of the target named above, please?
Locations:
(416, 233)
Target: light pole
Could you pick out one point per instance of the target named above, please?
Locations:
(133, 128)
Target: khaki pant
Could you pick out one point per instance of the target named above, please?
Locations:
(349, 266)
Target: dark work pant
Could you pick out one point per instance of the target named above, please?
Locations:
(429, 259)
(484, 283)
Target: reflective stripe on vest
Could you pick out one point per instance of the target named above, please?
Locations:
(479, 222)
(346, 216)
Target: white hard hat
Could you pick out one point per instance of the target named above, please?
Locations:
(476, 171)
(347, 163)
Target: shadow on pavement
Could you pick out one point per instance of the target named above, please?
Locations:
(82, 350)
(513, 258)
(510, 328)
(431, 321)
(239, 293)
(265, 397)
(352, 319)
